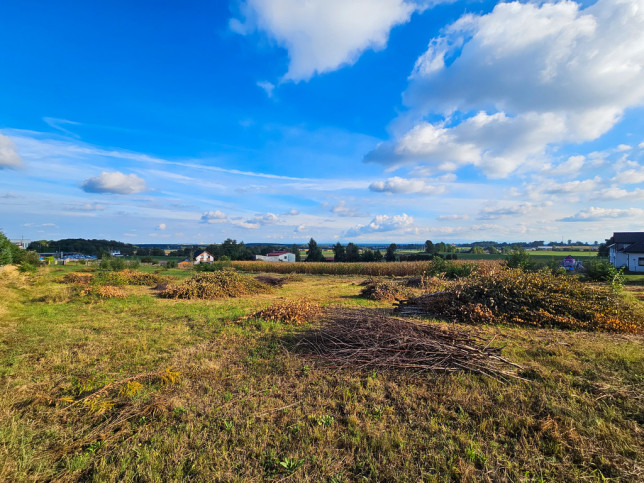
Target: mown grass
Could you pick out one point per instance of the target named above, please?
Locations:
(245, 407)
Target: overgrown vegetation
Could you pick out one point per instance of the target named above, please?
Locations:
(147, 389)
(530, 298)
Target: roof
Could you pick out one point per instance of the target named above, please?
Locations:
(277, 254)
(628, 236)
(635, 248)
(201, 253)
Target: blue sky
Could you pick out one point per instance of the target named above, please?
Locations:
(281, 120)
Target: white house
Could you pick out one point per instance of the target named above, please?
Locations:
(276, 257)
(204, 257)
(627, 251)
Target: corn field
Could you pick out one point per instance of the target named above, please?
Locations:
(452, 269)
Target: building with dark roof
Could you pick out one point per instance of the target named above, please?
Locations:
(627, 250)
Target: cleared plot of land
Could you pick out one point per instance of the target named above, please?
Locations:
(144, 388)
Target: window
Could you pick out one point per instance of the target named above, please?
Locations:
(640, 261)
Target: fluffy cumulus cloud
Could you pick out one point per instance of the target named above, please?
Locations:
(9, 158)
(323, 35)
(384, 223)
(114, 182)
(545, 74)
(214, 217)
(399, 185)
(599, 214)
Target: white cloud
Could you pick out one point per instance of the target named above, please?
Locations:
(323, 35)
(630, 176)
(614, 193)
(512, 210)
(268, 87)
(342, 209)
(399, 185)
(576, 186)
(623, 147)
(161, 226)
(598, 214)
(85, 207)
(384, 223)
(114, 182)
(453, 217)
(570, 167)
(214, 217)
(9, 158)
(292, 212)
(257, 221)
(545, 74)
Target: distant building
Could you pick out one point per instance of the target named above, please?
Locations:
(204, 257)
(22, 243)
(276, 257)
(115, 253)
(544, 247)
(627, 251)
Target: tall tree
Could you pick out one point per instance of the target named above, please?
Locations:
(339, 255)
(390, 254)
(314, 253)
(353, 253)
(429, 247)
(295, 249)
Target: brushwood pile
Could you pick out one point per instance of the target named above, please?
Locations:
(215, 285)
(529, 298)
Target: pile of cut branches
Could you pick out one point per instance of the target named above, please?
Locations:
(529, 298)
(371, 340)
(384, 290)
(222, 284)
(295, 312)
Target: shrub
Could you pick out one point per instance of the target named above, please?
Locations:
(602, 271)
(520, 259)
(215, 285)
(82, 278)
(534, 298)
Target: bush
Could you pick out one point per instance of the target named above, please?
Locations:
(520, 259)
(602, 271)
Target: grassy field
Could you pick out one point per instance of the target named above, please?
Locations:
(191, 390)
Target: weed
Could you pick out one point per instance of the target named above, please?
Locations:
(291, 465)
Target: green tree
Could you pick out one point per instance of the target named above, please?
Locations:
(492, 250)
(353, 253)
(477, 250)
(429, 247)
(441, 247)
(6, 253)
(314, 253)
(390, 254)
(377, 256)
(339, 255)
(295, 249)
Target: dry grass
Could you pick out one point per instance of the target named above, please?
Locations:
(245, 409)
(385, 290)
